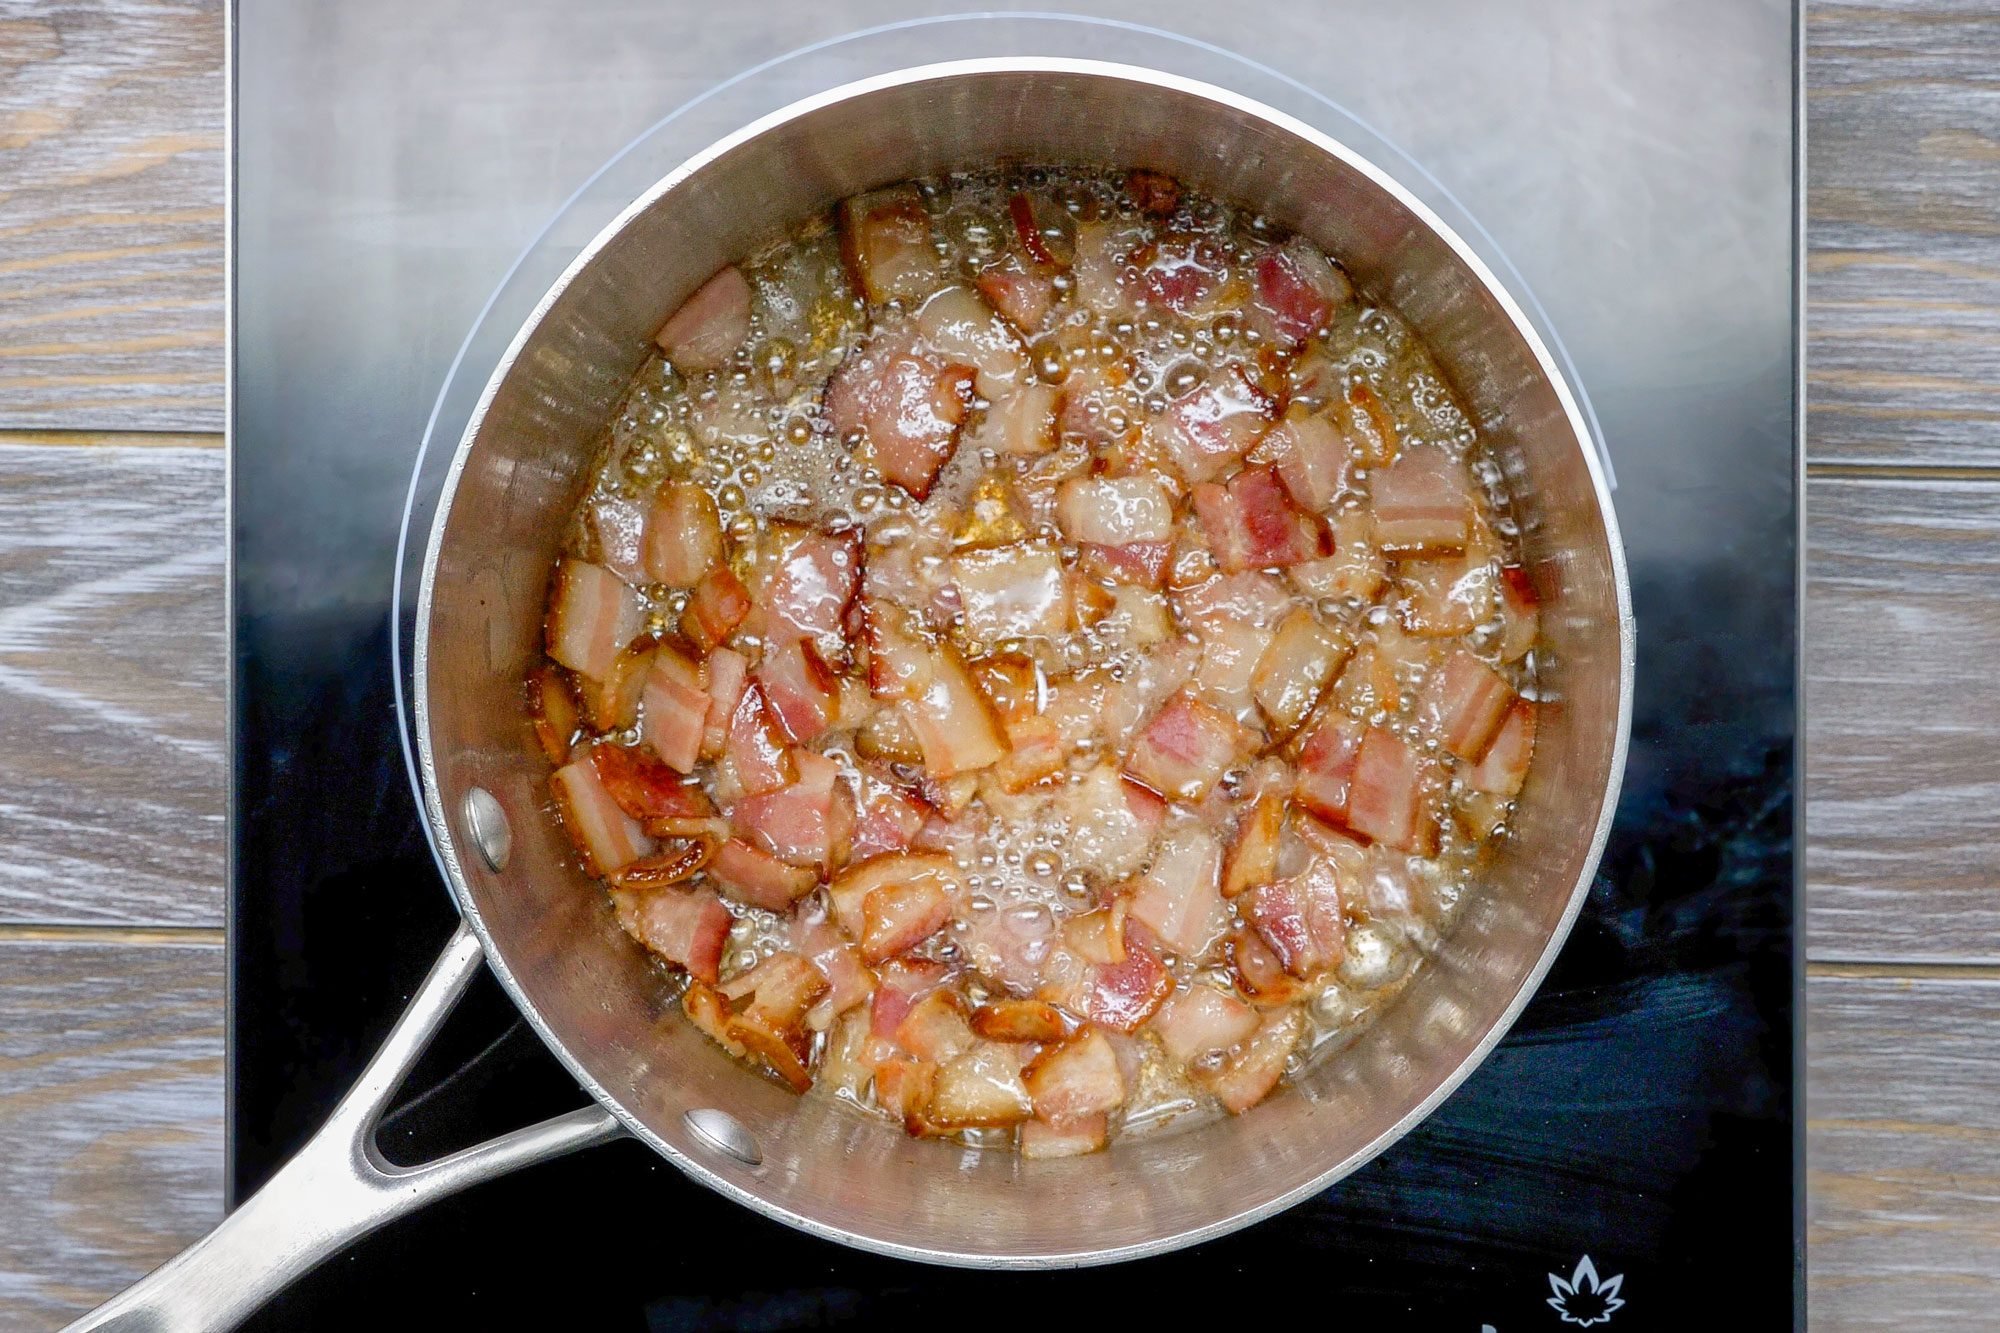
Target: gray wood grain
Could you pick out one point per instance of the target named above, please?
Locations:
(1902, 784)
(1903, 1192)
(111, 245)
(1903, 217)
(112, 684)
(110, 1116)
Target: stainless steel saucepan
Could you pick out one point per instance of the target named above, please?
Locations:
(548, 932)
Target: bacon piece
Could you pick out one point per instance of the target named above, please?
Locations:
(1466, 701)
(1098, 267)
(849, 982)
(1504, 768)
(1296, 289)
(811, 583)
(1250, 599)
(1112, 823)
(1248, 1077)
(1326, 766)
(762, 1012)
(593, 614)
(1179, 272)
(906, 402)
(1020, 421)
(1520, 613)
(1372, 435)
(1423, 502)
(1311, 458)
(1042, 1139)
(644, 787)
(710, 325)
(885, 239)
(952, 720)
(1141, 563)
(1020, 1020)
(755, 752)
(964, 330)
(678, 859)
(715, 608)
(900, 984)
(1035, 751)
(754, 876)
(1386, 798)
(1180, 898)
(553, 709)
(1259, 975)
(1201, 1021)
(796, 822)
(1077, 1079)
(683, 535)
(852, 888)
(1301, 919)
(1295, 669)
(1207, 430)
(674, 719)
(1185, 748)
(618, 529)
(1124, 994)
(903, 1089)
(1012, 592)
(1020, 292)
(802, 690)
(980, 1088)
(687, 927)
(1355, 570)
(1153, 193)
(885, 820)
(1251, 524)
(1114, 511)
(728, 673)
(934, 1028)
(1253, 857)
(611, 702)
(607, 836)
(898, 917)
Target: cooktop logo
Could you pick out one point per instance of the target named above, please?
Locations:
(1583, 1298)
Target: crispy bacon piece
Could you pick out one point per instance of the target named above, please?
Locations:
(1295, 669)
(618, 529)
(1202, 1021)
(802, 690)
(1185, 748)
(903, 1089)
(1297, 289)
(752, 875)
(1153, 193)
(1386, 797)
(1372, 435)
(755, 751)
(761, 1011)
(1206, 431)
(1180, 898)
(1311, 457)
(1423, 502)
(683, 535)
(553, 709)
(1019, 291)
(1035, 751)
(980, 1088)
(1077, 1079)
(646, 788)
(687, 927)
(1326, 766)
(906, 402)
(1466, 701)
(885, 238)
(1124, 994)
(1114, 511)
(849, 982)
(1020, 1020)
(898, 917)
(608, 837)
(611, 702)
(1012, 592)
(716, 607)
(1248, 1077)
(673, 721)
(728, 672)
(1520, 613)
(593, 614)
(710, 325)
(1253, 857)
(1504, 768)
(1251, 524)
(934, 1027)
(1300, 919)
(811, 583)
(853, 889)
(678, 860)
(886, 820)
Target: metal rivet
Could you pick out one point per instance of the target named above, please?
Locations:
(724, 1133)
(487, 824)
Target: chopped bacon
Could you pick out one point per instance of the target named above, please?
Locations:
(934, 1028)
(1294, 670)
(1259, 975)
(796, 823)
(1248, 1078)
(754, 876)
(553, 709)
(1020, 421)
(1179, 272)
(812, 582)
(1142, 563)
(1249, 599)
(1153, 193)
(1311, 458)
(802, 690)
(593, 614)
(899, 662)
(1099, 936)
(952, 720)
(1201, 1021)
(1098, 267)
(674, 719)
(1251, 524)
(1297, 289)
(1012, 592)
(679, 859)
(611, 702)
(1112, 823)
(1520, 613)
(618, 528)
(646, 788)
(1466, 702)
(1185, 748)
(1209, 429)
(607, 836)
(852, 888)
(1301, 919)
(1114, 511)
(1020, 1020)
(728, 673)
(710, 325)
(849, 983)
(885, 820)
(903, 1089)
(980, 1088)
(1043, 1139)
(687, 927)
(714, 610)
(1423, 502)
(1035, 751)
(1253, 857)
(1504, 768)
(1326, 766)
(1018, 291)
(1028, 229)
(755, 751)
(1124, 994)
(898, 917)
(901, 984)
(762, 1011)
(1079, 1078)
(1386, 798)
(906, 402)
(1180, 899)
(964, 330)
(1371, 431)
(885, 239)
(1355, 569)
(683, 535)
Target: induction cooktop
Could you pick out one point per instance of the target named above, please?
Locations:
(1625, 1159)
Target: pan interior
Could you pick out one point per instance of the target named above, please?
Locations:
(528, 458)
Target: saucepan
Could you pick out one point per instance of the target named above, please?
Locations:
(547, 932)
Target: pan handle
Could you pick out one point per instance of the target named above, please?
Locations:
(339, 1187)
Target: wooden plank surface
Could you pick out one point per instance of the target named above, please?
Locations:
(110, 1114)
(112, 683)
(111, 246)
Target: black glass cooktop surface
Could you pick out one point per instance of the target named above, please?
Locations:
(1624, 1160)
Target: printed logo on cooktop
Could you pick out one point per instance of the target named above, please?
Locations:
(1583, 1299)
